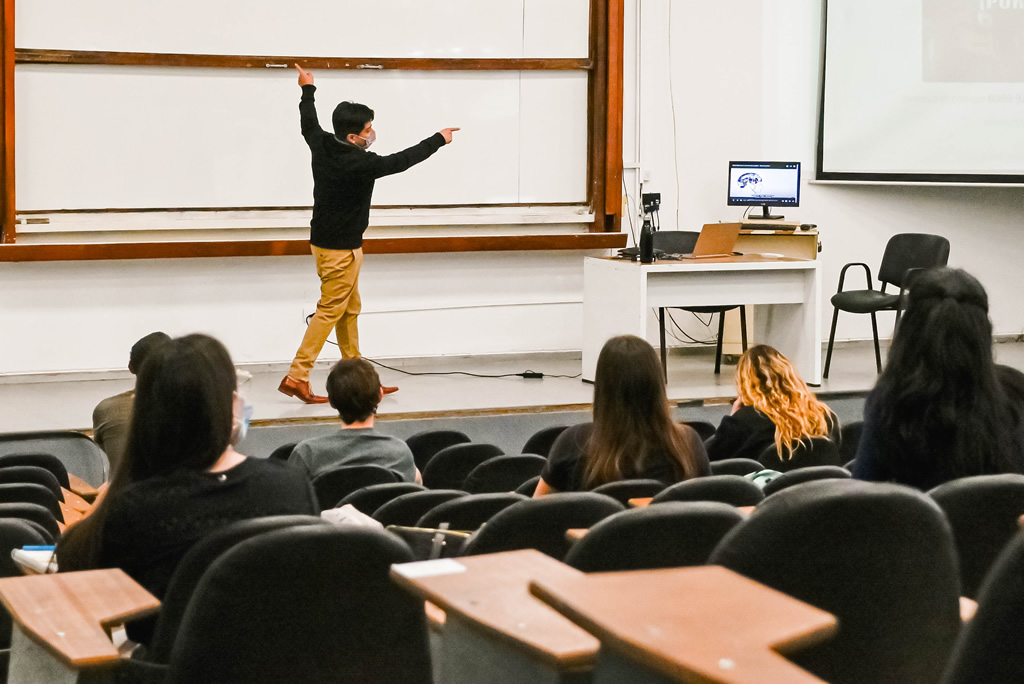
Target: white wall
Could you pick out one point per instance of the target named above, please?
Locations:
(744, 79)
(745, 76)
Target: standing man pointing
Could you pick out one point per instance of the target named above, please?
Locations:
(343, 176)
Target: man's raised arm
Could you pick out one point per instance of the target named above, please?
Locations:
(307, 105)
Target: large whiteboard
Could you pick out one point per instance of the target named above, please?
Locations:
(102, 137)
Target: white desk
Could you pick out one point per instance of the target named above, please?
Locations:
(618, 296)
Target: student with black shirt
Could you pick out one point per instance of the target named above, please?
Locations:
(180, 478)
(633, 434)
(344, 172)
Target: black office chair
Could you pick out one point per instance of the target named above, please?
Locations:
(334, 485)
(879, 557)
(541, 523)
(984, 512)
(731, 489)
(503, 473)
(904, 253)
(671, 535)
(682, 242)
(450, 466)
(303, 604)
(540, 442)
(624, 490)
(368, 499)
(424, 445)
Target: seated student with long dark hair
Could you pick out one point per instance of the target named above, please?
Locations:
(942, 409)
(774, 406)
(632, 435)
(180, 478)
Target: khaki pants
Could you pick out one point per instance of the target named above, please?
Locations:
(338, 309)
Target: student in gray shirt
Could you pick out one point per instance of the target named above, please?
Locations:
(354, 390)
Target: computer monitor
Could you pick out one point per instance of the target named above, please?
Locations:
(766, 184)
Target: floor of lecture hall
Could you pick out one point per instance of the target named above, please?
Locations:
(429, 401)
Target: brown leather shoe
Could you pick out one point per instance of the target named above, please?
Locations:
(388, 390)
(301, 390)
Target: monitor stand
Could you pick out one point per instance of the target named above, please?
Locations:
(765, 216)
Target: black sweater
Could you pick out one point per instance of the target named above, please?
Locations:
(343, 177)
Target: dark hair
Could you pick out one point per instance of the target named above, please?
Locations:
(142, 348)
(350, 117)
(632, 419)
(182, 419)
(945, 410)
(354, 390)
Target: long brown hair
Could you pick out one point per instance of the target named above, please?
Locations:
(181, 418)
(768, 381)
(632, 420)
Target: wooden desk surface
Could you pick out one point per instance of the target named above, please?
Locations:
(493, 594)
(67, 613)
(705, 624)
(82, 488)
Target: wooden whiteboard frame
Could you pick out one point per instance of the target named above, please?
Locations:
(604, 148)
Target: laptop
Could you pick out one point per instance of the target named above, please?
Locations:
(715, 240)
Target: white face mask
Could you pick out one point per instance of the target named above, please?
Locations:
(369, 140)
(242, 415)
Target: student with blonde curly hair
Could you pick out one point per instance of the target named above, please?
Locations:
(773, 406)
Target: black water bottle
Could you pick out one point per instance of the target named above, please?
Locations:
(647, 242)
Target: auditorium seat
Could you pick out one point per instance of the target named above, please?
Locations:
(816, 451)
(334, 485)
(735, 466)
(80, 455)
(450, 466)
(624, 490)
(468, 513)
(503, 473)
(880, 557)
(801, 475)
(369, 499)
(539, 443)
(407, 509)
(427, 443)
(670, 535)
(731, 489)
(541, 523)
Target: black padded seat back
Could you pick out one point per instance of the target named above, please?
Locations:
(880, 557)
(541, 441)
(849, 440)
(670, 535)
(735, 466)
(704, 429)
(80, 455)
(984, 511)
(541, 523)
(407, 509)
(987, 650)
(194, 565)
(34, 475)
(33, 513)
(624, 490)
(905, 251)
(39, 460)
(503, 473)
(27, 492)
(468, 513)
(14, 534)
(528, 487)
(283, 452)
(450, 466)
(424, 445)
(816, 451)
(369, 499)
(731, 489)
(334, 485)
(304, 604)
(801, 475)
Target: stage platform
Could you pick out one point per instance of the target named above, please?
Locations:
(437, 392)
